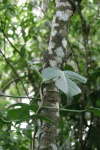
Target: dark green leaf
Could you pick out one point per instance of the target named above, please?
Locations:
(42, 117)
(18, 113)
(96, 111)
(68, 67)
(26, 107)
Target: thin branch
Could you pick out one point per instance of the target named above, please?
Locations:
(6, 86)
(85, 34)
(85, 31)
(17, 90)
(33, 139)
(20, 97)
(14, 72)
(45, 15)
(38, 111)
(74, 55)
(39, 74)
(10, 42)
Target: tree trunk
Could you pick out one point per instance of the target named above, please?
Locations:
(55, 56)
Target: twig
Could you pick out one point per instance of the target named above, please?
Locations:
(17, 91)
(35, 131)
(20, 96)
(10, 42)
(85, 31)
(45, 14)
(39, 74)
(4, 88)
(74, 55)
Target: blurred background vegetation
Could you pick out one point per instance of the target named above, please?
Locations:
(25, 27)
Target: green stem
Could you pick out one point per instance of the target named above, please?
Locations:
(19, 96)
(38, 73)
(65, 109)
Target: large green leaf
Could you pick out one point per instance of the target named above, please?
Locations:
(18, 113)
(42, 117)
(26, 107)
(96, 111)
(15, 114)
(27, 117)
(64, 81)
(35, 116)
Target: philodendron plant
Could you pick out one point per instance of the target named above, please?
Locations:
(66, 81)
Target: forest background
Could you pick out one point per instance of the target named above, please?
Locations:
(26, 27)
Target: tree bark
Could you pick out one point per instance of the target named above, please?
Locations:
(55, 56)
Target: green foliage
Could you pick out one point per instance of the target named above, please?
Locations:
(22, 29)
(96, 111)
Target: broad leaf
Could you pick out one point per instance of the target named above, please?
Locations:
(26, 107)
(27, 117)
(36, 116)
(69, 67)
(64, 81)
(17, 113)
(96, 111)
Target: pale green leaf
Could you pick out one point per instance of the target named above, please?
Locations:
(64, 81)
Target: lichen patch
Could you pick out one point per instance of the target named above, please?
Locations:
(62, 15)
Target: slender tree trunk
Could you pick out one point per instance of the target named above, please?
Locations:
(55, 56)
